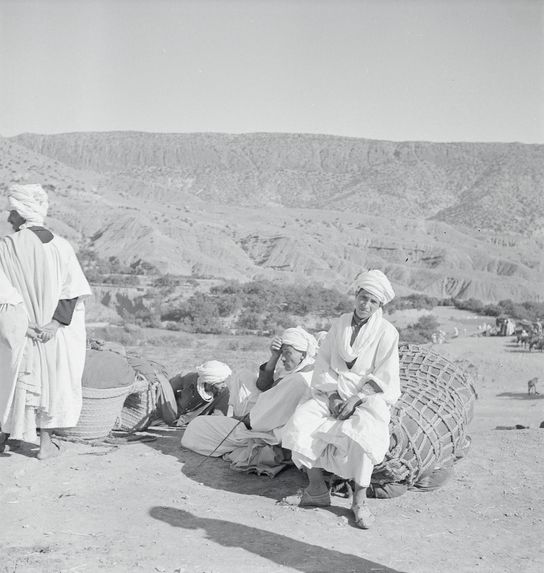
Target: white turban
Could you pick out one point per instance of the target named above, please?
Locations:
(30, 201)
(212, 372)
(300, 340)
(377, 284)
(320, 336)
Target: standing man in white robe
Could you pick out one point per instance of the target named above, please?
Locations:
(344, 427)
(44, 270)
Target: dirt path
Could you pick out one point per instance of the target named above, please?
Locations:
(151, 507)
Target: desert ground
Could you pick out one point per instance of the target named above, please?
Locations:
(154, 507)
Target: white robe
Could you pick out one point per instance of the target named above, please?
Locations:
(348, 448)
(269, 413)
(13, 325)
(47, 391)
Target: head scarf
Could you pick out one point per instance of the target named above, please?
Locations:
(300, 340)
(212, 372)
(320, 337)
(375, 283)
(30, 201)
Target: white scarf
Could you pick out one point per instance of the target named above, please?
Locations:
(336, 376)
(367, 333)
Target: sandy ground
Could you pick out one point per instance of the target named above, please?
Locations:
(152, 507)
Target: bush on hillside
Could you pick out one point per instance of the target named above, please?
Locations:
(421, 331)
(412, 301)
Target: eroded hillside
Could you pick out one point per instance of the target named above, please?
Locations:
(299, 207)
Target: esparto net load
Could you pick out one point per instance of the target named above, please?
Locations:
(428, 424)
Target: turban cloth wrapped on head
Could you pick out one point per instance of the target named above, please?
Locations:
(375, 283)
(212, 372)
(30, 201)
(320, 337)
(300, 340)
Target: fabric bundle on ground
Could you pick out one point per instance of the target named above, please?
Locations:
(428, 423)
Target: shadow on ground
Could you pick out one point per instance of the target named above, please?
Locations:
(20, 448)
(520, 395)
(277, 548)
(216, 473)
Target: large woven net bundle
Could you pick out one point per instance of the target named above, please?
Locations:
(429, 422)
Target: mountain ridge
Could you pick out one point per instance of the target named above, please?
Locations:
(445, 219)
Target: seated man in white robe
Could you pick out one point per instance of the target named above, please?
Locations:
(271, 402)
(45, 392)
(344, 427)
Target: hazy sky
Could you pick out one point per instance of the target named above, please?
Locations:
(451, 70)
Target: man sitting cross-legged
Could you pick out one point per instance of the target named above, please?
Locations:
(261, 411)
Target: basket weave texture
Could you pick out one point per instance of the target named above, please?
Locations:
(429, 422)
(140, 407)
(99, 412)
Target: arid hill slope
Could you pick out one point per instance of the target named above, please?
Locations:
(486, 185)
(454, 219)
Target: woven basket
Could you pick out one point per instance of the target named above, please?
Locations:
(100, 410)
(429, 422)
(139, 407)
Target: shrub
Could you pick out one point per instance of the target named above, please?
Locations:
(421, 331)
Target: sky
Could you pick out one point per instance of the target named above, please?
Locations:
(433, 70)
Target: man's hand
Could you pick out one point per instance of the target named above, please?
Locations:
(33, 332)
(348, 407)
(275, 346)
(335, 403)
(48, 331)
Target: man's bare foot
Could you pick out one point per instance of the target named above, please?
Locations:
(364, 518)
(48, 450)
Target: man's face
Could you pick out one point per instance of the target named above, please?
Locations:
(366, 304)
(290, 357)
(15, 220)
